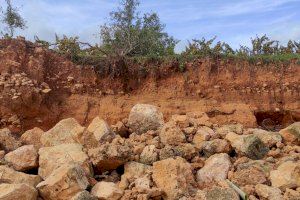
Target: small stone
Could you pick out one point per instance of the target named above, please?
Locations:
(149, 155)
(107, 191)
(84, 195)
(215, 146)
(101, 130)
(218, 193)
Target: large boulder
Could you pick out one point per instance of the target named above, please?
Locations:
(22, 159)
(51, 158)
(286, 176)
(64, 183)
(17, 192)
(216, 169)
(8, 175)
(64, 132)
(248, 145)
(33, 137)
(107, 191)
(7, 141)
(143, 118)
(291, 133)
(109, 156)
(101, 130)
(171, 134)
(174, 177)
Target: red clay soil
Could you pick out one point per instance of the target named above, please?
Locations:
(227, 90)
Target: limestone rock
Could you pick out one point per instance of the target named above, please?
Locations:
(215, 146)
(149, 155)
(17, 191)
(133, 171)
(64, 132)
(287, 175)
(143, 118)
(268, 192)
(33, 137)
(107, 191)
(84, 195)
(109, 156)
(184, 150)
(174, 177)
(51, 158)
(291, 133)
(22, 159)
(218, 193)
(101, 130)
(249, 176)
(7, 141)
(248, 145)
(225, 129)
(216, 169)
(64, 183)
(8, 175)
(203, 134)
(171, 134)
(270, 139)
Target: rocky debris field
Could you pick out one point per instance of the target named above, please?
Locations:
(143, 157)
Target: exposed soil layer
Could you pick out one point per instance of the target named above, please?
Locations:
(39, 88)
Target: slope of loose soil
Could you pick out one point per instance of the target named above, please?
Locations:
(228, 90)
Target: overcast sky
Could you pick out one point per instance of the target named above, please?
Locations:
(233, 21)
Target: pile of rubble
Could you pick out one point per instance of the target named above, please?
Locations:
(144, 157)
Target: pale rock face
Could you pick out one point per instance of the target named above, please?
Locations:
(66, 131)
(143, 118)
(33, 137)
(291, 134)
(107, 191)
(268, 192)
(64, 183)
(51, 158)
(8, 175)
(225, 129)
(24, 158)
(17, 192)
(286, 176)
(216, 169)
(149, 155)
(101, 130)
(248, 145)
(7, 141)
(174, 177)
(170, 134)
(109, 156)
